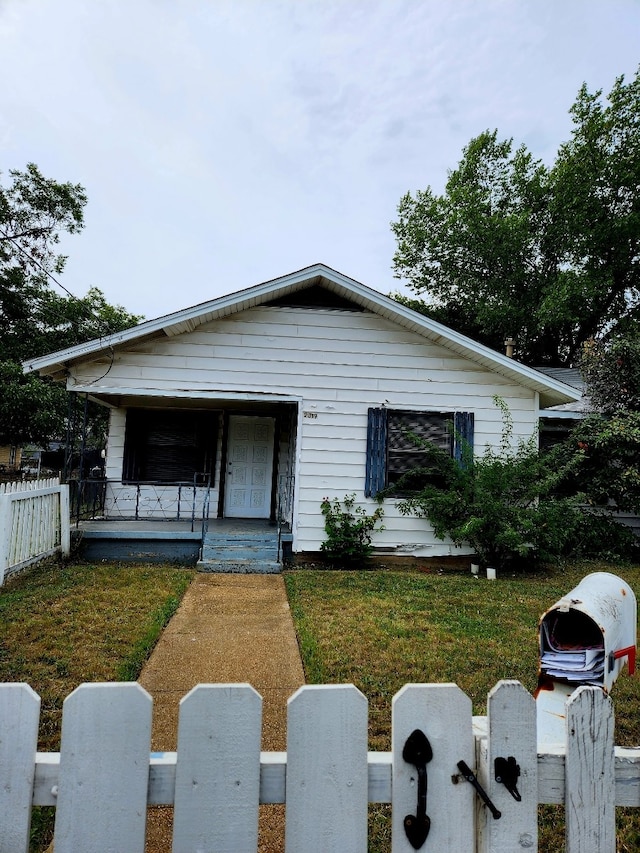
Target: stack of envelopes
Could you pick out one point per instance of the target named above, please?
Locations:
(572, 663)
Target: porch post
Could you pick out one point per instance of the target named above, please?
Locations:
(71, 422)
(82, 453)
(223, 462)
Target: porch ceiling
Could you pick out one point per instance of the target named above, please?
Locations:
(188, 400)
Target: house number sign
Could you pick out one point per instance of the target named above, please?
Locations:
(312, 415)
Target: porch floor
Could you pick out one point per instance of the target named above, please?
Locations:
(163, 529)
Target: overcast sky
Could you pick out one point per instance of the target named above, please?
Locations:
(225, 143)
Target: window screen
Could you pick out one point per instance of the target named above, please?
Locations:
(169, 446)
(405, 431)
(392, 450)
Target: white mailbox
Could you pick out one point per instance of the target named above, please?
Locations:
(585, 638)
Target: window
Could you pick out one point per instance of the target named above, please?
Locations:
(553, 431)
(169, 446)
(392, 450)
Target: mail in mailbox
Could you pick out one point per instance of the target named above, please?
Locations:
(585, 638)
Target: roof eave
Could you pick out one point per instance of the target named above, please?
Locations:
(551, 391)
(177, 322)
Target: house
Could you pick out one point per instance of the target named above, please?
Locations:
(10, 458)
(259, 404)
(556, 422)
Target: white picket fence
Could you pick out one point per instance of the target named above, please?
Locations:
(104, 777)
(34, 523)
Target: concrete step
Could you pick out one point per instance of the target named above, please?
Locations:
(246, 567)
(243, 552)
(227, 551)
(240, 537)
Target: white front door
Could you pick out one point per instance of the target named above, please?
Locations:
(247, 491)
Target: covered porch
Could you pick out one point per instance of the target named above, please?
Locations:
(180, 470)
(241, 545)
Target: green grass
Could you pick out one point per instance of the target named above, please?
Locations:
(382, 629)
(63, 625)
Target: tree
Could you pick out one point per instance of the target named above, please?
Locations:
(35, 319)
(610, 437)
(610, 472)
(549, 256)
(611, 371)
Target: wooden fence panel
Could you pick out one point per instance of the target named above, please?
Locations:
(511, 733)
(218, 770)
(443, 713)
(34, 523)
(327, 779)
(19, 717)
(5, 535)
(104, 769)
(28, 485)
(589, 773)
(105, 776)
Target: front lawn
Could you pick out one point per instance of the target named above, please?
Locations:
(382, 629)
(63, 625)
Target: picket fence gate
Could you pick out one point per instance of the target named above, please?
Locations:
(34, 523)
(104, 777)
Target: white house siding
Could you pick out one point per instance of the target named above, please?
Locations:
(115, 444)
(337, 364)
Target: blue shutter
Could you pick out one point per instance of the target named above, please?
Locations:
(463, 437)
(376, 452)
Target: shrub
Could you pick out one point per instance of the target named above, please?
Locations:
(349, 529)
(611, 447)
(506, 505)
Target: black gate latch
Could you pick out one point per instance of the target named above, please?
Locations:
(508, 772)
(470, 776)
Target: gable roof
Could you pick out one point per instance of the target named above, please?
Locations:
(552, 392)
(570, 376)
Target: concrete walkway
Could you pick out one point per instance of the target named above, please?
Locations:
(228, 628)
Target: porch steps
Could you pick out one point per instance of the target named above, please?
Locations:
(242, 552)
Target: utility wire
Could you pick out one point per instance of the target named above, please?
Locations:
(89, 315)
(35, 261)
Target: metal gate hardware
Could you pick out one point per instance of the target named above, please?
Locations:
(417, 751)
(470, 776)
(507, 772)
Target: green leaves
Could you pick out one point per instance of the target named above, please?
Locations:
(550, 256)
(611, 370)
(348, 528)
(610, 440)
(509, 504)
(611, 448)
(31, 410)
(35, 319)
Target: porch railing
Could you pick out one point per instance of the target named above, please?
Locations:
(96, 498)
